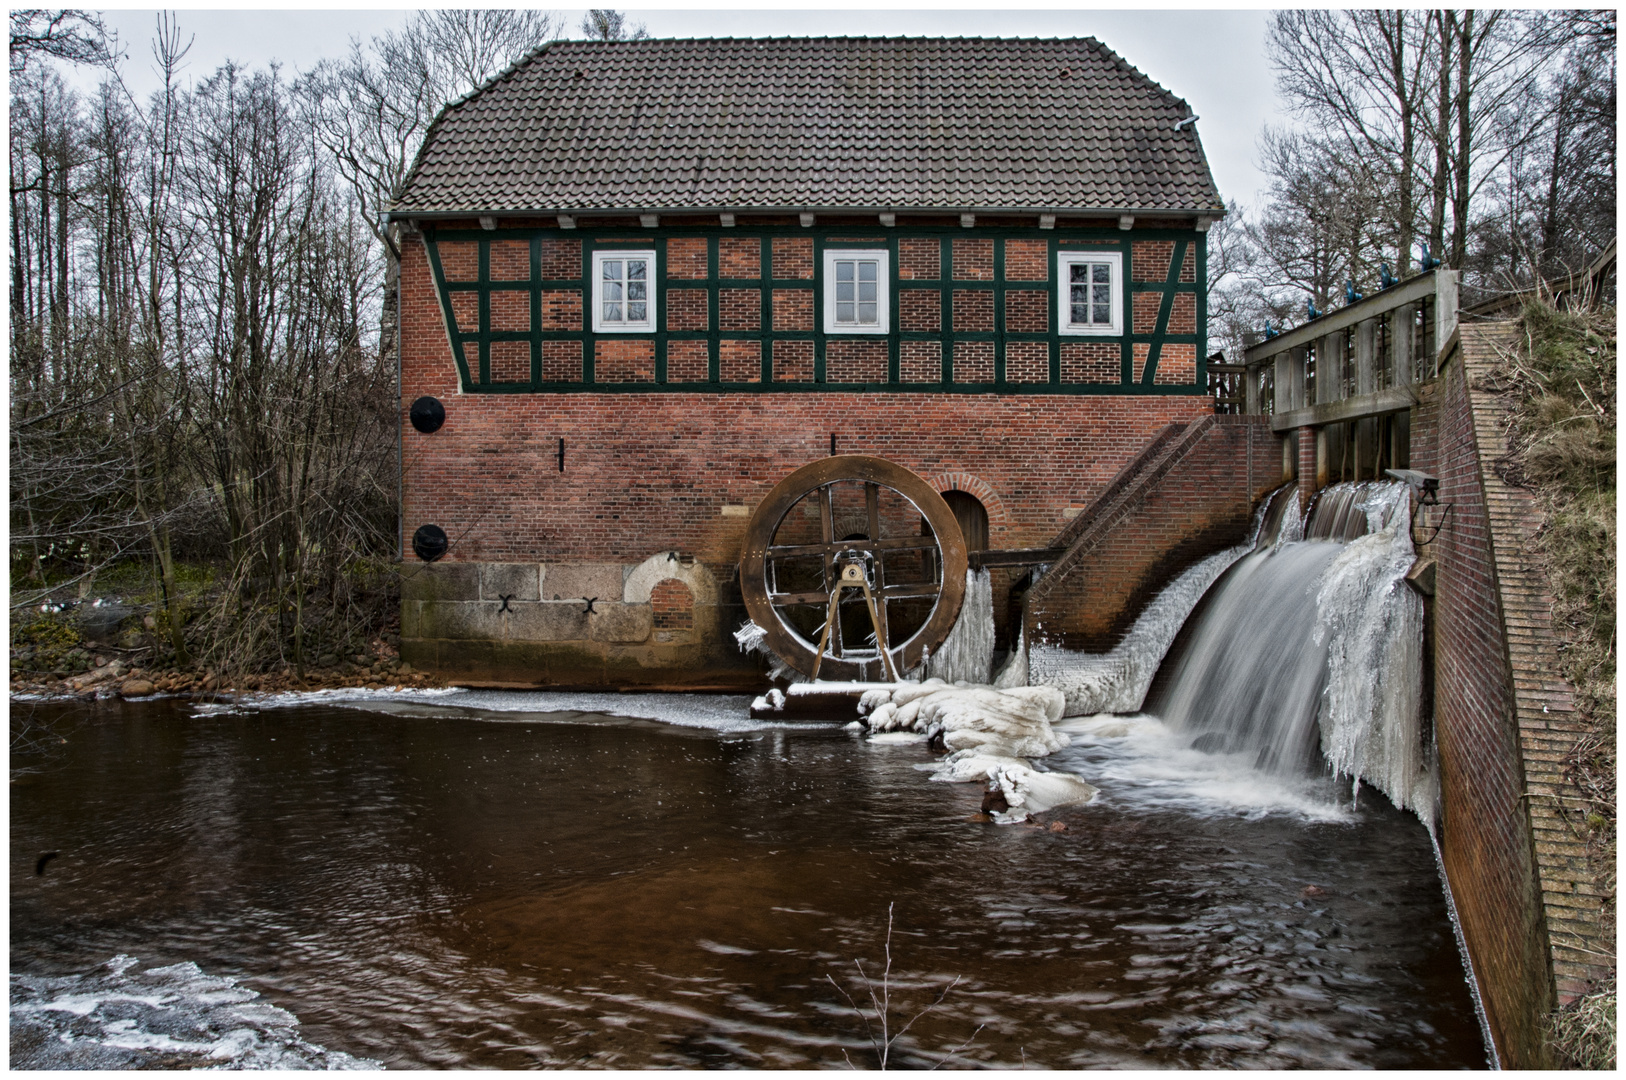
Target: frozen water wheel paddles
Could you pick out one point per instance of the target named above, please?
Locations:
(885, 529)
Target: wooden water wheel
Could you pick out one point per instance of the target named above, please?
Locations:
(853, 510)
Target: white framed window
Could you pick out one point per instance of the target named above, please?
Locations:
(623, 292)
(856, 291)
(1091, 300)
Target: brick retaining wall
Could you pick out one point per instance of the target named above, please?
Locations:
(1187, 498)
(1504, 719)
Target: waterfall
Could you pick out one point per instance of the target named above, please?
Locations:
(1311, 650)
(1117, 681)
(968, 652)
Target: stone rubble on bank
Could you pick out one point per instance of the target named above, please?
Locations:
(991, 735)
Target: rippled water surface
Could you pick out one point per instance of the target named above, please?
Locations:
(475, 881)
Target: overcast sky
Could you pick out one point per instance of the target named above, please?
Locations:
(1213, 59)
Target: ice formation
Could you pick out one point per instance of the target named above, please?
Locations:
(1117, 681)
(992, 736)
(1372, 625)
(163, 1017)
(968, 651)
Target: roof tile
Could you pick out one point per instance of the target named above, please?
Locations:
(685, 124)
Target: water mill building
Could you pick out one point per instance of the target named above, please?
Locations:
(646, 280)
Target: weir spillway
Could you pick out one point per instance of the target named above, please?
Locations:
(1307, 653)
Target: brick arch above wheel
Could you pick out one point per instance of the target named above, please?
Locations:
(974, 485)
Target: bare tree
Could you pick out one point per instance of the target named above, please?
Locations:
(1361, 78)
(373, 108)
(195, 298)
(78, 37)
(604, 24)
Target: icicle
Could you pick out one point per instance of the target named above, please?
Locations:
(968, 651)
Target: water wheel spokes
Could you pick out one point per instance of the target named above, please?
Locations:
(846, 510)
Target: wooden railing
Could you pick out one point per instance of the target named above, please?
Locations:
(1361, 360)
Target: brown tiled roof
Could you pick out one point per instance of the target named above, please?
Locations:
(814, 123)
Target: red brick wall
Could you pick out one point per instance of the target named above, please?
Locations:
(1027, 311)
(510, 260)
(973, 311)
(739, 309)
(739, 257)
(920, 310)
(919, 259)
(1091, 362)
(673, 604)
(792, 256)
(647, 472)
(793, 309)
(563, 259)
(920, 361)
(686, 309)
(685, 258)
(973, 260)
(1027, 260)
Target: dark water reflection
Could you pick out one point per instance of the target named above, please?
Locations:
(440, 891)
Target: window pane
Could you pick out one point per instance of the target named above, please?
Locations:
(844, 312)
(1101, 294)
(1078, 272)
(637, 269)
(844, 271)
(1078, 294)
(866, 271)
(1081, 313)
(866, 291)
(612, 312)
(637, 290)
(612, 290)
(1103, 315)
(612, 270)
(844, 291)
(866, 314)
(637, 312)
(1103, 272)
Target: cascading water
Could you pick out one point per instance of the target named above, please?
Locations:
(1117, 681)
(1315, 645)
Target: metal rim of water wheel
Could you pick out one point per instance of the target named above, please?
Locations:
(942, 548)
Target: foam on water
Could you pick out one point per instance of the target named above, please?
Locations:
(1139, 761)
(163, 1017)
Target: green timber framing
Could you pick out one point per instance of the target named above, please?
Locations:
(835, 236)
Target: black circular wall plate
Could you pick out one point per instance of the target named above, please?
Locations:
(429, 542)
(428, 414)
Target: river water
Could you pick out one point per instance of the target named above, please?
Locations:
(523, 880)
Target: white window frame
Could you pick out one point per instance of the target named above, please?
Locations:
(600, 326)
(1065, 260)
(883, 290)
